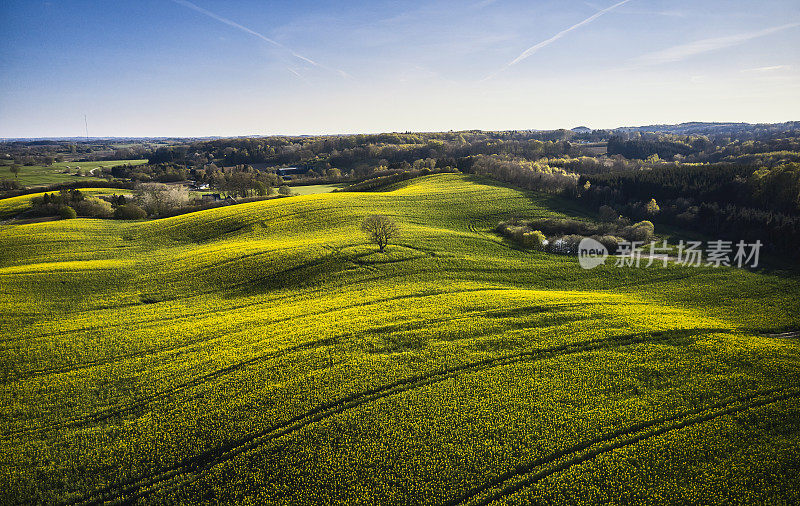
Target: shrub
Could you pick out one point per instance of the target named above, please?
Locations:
(512, 230)
(608, 214)
(562, 226)
(260, 188)
(565, 234)
(94, 208)
(130, 212)
(67, 212)
(609, 241)
(642, 231)
(534, 239)
(652, 207)
(7, 184)
(158, 199)
(565, 245)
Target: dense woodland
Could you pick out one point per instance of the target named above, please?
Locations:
(729, 180)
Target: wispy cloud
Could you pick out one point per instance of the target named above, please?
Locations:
(684, 51)
(234, 24)
(672, 13)
(534, 49)
(483, 3)
(761, 70)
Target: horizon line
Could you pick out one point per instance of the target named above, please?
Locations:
(376, 132)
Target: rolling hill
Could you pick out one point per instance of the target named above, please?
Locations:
(264, 352)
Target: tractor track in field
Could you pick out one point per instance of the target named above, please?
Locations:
(374, 267)
(488, 236)
(139, 404)
(621, 438)
(253, 220)
(132, 407)
(149, 323)
(173, 476)
(178, 346)
(152, 322)
(409, 325)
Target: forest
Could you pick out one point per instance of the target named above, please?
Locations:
(733, 180)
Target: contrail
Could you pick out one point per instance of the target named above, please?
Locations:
(533, 49)
(297, 75)
(190, 5)
(678, 53)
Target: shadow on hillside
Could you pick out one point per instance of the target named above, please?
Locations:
(553, 202)
(313, 273)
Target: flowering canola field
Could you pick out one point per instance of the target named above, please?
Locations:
(15, 205)
(265, 353)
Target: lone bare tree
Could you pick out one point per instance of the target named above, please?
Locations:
(380, 229)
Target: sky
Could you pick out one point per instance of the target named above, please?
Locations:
(256, 67)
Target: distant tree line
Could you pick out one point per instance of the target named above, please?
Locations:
(729, 200)
(643, 149)
(729, 179)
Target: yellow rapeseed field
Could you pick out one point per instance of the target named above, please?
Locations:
(266, 353)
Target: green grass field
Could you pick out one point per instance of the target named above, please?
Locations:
(316, 188)
(265, 353)
(38, 175)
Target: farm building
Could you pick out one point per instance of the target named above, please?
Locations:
(288, 173)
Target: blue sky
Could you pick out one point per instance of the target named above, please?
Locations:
(253, 67)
